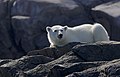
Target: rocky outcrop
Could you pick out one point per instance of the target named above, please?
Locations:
(110, 69)
(55, 52)
(8, 47)
(99, 59)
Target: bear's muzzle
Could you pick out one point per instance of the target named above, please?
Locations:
(60, 36)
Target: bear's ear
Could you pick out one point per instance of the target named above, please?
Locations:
(65, 27)
(48, 28)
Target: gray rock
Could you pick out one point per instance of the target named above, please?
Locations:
(4, 72)
(108, 15)
(100, 51)
(16, 68)
(54, 52)
(50, 12)
(66, 69)
(4, 37)
(7, 46)
(23, 32)
(110, 69)
(27, 62)
(93, 59)
(92, 3)
(4, 61)
(42, 70)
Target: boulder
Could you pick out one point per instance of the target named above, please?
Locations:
(93, 59)
(54, 52)
(4, 61)
(7, 45)
(66, 69)
(110, 69)
(16, 68)
(108, 15)
(4, 72)
(42, 70)
(27, 62)
(92, 3)
(100, 51)
(82, 56)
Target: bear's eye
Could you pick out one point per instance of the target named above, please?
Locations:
(61, 30)
(55, 30)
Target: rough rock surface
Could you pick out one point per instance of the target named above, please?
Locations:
(109, 15)
(99, 59)
(110, 69)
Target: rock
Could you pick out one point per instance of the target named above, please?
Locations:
(4, 37)
(66, 69)
(27, 62)
(76, 60)
(99, 51)
(4, 72)
(42, 70)
(49, 11)
(23, 33)
(4, 61)
(7, 46)
(108, 15)
(16, 68)
(110, 69)
(92, 3)
(55, 52)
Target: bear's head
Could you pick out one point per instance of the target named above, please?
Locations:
(56, 32)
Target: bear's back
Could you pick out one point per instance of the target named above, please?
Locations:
(81, 33)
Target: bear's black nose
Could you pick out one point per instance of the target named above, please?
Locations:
(60, 36)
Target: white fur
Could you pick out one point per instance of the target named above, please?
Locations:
(85, 33)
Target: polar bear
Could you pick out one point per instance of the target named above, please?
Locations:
(86, 33)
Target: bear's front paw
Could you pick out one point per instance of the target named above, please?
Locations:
(52, 46)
